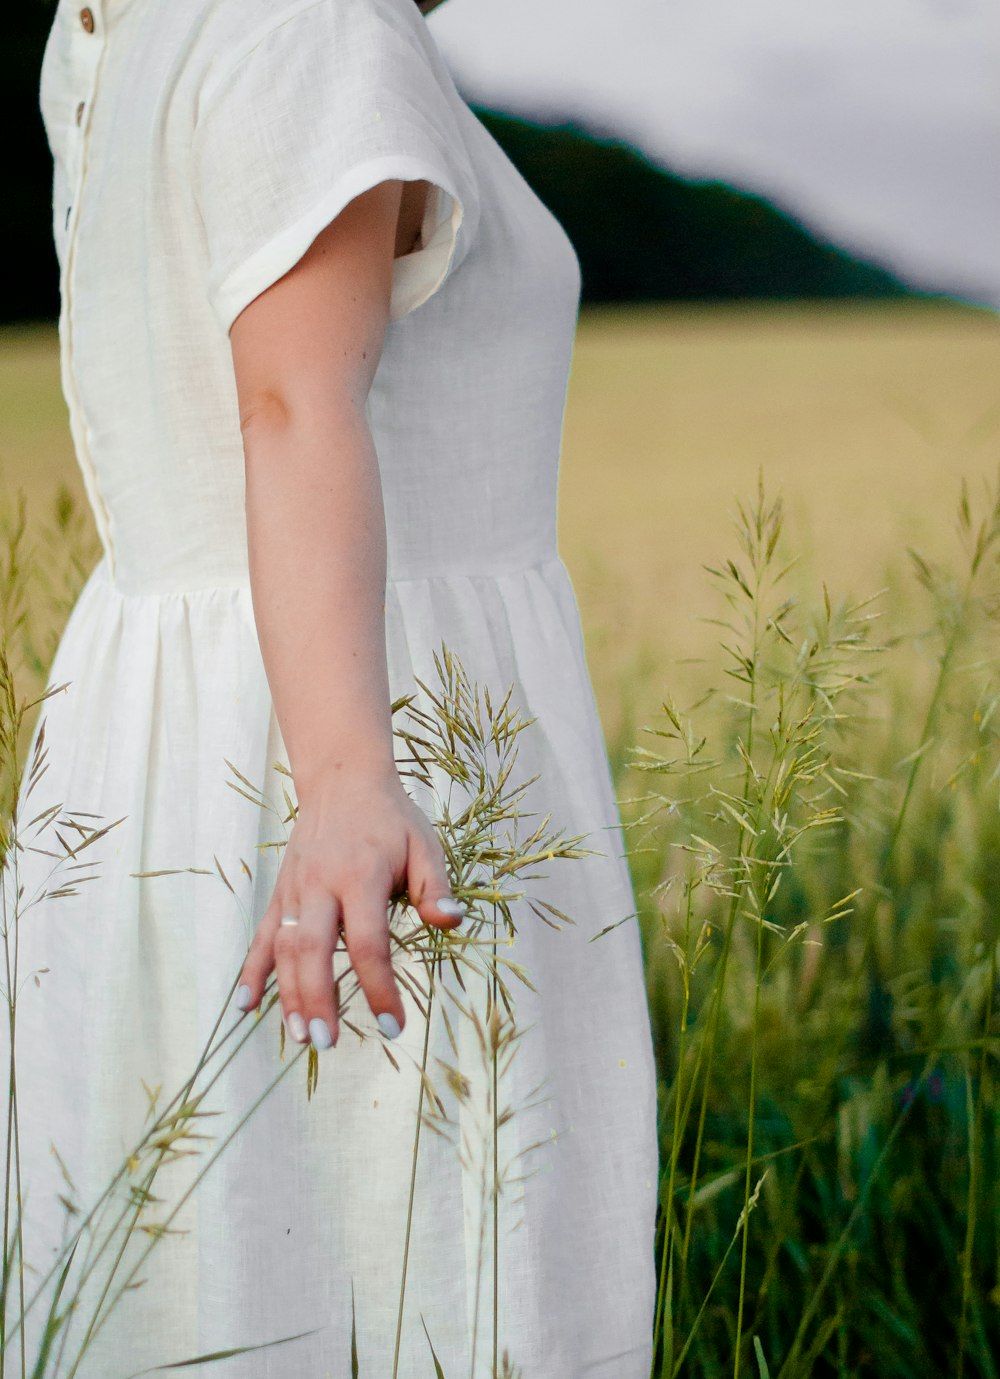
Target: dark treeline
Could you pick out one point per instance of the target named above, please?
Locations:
(644, 234)
(641, 233)
(32, 292)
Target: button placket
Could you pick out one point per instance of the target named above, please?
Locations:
(89, 46)
(86, 50)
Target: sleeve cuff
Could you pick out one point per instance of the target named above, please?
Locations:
(415, 277)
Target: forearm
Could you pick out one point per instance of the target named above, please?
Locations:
(317, 552)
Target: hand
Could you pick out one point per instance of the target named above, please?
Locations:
(357, 840)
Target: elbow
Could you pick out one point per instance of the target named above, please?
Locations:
(267, 410)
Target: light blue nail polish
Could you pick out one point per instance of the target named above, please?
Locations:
(449, 906)
(389, 1025)
(320, 1034)
(297, 1027)
(242, 997)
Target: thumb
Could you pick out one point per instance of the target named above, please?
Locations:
(428, 885)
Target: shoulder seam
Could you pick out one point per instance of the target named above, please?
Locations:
(216, 80)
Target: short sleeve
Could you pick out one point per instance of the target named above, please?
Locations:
(331, 99)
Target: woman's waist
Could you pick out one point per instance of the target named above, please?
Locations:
(221, 577)
(166, 556)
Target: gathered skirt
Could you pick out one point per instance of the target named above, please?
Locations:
(317, 1194)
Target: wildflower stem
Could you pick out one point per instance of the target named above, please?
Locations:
(751, 1112)
(425, 1057)
(719, 985)
(974, 1154)
(675, 1148)
(496, 1168)
(929, 720)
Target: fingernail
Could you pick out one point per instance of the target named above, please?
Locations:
(319, 1033)
(389, 1025)
(243, 996)
(297, 1027)
(449, 906)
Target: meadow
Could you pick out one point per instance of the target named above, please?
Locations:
(783, 525)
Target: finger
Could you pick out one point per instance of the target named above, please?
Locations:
(319, 915)
(259, 962)
(428, 885)
(286, 941)
(366, 933)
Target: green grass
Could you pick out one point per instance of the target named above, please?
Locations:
(821, 925)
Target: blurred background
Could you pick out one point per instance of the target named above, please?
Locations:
(810, 194)
(875, 125)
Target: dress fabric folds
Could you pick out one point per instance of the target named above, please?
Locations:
(199, 147)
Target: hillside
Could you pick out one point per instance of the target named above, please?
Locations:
(643, 233)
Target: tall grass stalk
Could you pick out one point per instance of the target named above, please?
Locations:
(799, 683)
(974, 1112)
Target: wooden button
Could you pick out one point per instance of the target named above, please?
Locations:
(87, 20)
(79, 112)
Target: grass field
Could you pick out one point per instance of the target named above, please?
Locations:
(815, 823)
(864, 417)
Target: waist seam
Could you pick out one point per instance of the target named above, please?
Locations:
(102, 571)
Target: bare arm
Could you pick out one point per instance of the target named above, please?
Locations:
(313, 502)
(305, 352)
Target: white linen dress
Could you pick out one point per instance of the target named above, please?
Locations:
(199, 147)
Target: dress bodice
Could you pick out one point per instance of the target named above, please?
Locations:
(199, 146)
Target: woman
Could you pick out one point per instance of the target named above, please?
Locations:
(315, 335)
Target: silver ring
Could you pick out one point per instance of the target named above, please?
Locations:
(289, 919)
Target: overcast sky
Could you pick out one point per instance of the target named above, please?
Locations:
(875, 122)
